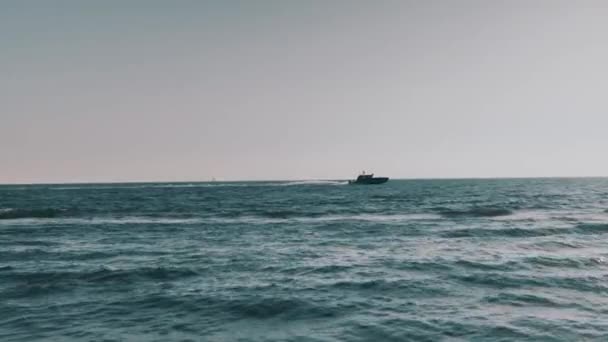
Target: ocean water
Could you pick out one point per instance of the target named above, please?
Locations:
(410, 260)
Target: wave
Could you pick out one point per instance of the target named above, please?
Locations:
(561, 218)
(387, 218)
(38, 217)
(527, 215)
(475, 212)
(276, 218)
(11, 213)
(555, 245)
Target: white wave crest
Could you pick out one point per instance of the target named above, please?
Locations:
(136, 220)
(555, 216)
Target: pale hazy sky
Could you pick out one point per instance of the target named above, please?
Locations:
(148, 90)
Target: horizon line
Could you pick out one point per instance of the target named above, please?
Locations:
(292, 180)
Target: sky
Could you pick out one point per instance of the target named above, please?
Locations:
(127, 90)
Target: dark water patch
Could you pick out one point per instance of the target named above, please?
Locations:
(583, 284)
(475, 265)
(41, 243)
(497, 280)
(93, 255)
(405, 288)
(564, 329)
(502, 232)
(101, 276)
(288, 308)
(33, 285)
(328, 269)
(58, 254)
(379, 285)
(32, 291)
(6, 268)
(519, 300)
(10, 214)
(592, 228)
(295, 214)
(504, 281)
(245, 306)
(427, 330)
(188, 303)
(392, 330)
(439, 265)
(153, 273)
(29, 254)
(562, 262)
(284, 214)
(474, 212)
(239, 213)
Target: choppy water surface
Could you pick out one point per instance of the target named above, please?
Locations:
(422, 260)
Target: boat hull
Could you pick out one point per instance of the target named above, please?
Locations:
(369, 181)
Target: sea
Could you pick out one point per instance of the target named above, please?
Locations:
(409, 260)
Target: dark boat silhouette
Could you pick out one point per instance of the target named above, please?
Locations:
(368, 179)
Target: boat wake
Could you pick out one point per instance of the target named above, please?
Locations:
(315, 182)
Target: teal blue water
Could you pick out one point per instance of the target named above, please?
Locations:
(410, 260)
